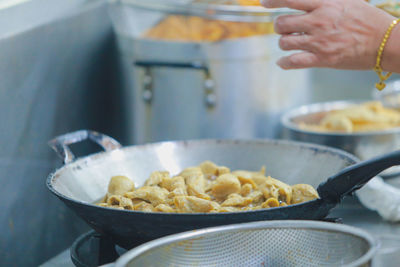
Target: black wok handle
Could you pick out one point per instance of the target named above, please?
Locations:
(60, 143)
(354, 177)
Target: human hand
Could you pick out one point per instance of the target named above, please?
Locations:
(342, 34)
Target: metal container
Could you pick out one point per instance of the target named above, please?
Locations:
(199, 89)
(364, 145)
(390, 97)
(275, 243)
(388, 254)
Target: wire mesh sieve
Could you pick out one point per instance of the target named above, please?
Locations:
(273, 243)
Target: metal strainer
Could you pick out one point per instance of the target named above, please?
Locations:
(272, 243)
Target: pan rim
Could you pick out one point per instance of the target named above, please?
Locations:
(275, 224)
(347, 157)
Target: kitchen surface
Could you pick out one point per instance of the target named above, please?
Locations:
(350, 213)
(144, 72)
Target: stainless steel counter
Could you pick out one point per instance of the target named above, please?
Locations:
(351, 211)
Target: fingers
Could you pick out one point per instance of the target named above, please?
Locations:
(287, 24)
(299, 61)
(305, 5)
(295, 42)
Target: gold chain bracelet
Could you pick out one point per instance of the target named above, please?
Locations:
(378, 69)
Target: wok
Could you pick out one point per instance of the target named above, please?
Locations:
(80, 183)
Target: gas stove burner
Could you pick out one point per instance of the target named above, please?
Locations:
(93, 249)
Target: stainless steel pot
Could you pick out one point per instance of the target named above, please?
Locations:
(364, 145)
(390, 97)
(194, 90)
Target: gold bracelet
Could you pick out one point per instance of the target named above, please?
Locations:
(378, 69)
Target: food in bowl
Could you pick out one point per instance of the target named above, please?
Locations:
(369, 116)
(391, 7)
(249, 2)
(197, 29)
(207, 188)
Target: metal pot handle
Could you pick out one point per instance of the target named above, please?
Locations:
(210, 98)
(60, 143)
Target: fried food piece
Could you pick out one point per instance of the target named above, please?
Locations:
(153, 194)
(249, 2)
(209, 168)
(236, 200)
(207, 188)
(143, 206)
(276, 189)
(113, 200)
(246, 190)
(197, 29)
(337, 122)
(156, 178)
(256, 196)
(126, 203)
(115, 207)
(223, 170)
(270, 203)
(195, 181)
(175, 185)
(247, 181)
(257, 177)
(117, 200)
(303, 193)
(391, 7)
(212, 170)
(164, 208)
(369, 116)
(119, 185)
(229, 209)
(192, 204)
(225, 185)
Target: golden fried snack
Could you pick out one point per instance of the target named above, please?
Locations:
(225, 185)
(190, 204)
(392, 7)
(195, 181)
(119, 185)
(302, 193)
(370, 116)
(249, 2)
(152, 194)
(197, 29)
(156, 178)
(236, 200)
(206, 188)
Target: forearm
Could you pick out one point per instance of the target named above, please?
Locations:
(391, 53)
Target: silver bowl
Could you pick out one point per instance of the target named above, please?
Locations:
(390, 97)
(364, 145)
(273, 243)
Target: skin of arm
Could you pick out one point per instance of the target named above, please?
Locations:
(391, 53)
(341, 34)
